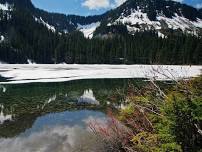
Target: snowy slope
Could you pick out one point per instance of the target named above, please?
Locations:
(6, 10)
(137, 15)
(137, 20)
(41, 21)
(5, 7)
(89, 29)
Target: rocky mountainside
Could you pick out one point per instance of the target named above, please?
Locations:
(159, 15)
(136, 15)
(60, 22)
(139, 31)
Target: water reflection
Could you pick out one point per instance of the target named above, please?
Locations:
(44, 97)
(4, 117)
(68, 118)
(88, 97)
(59, 132)
(2, 88)
(53, 116)
(53, 98)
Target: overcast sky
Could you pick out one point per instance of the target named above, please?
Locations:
(89, 7)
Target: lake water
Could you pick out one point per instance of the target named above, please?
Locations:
(54, 117)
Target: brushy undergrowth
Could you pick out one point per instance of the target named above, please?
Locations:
(155, 119)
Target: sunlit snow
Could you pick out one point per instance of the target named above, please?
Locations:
(67, 72)
(5, 7)
(137, 17)
(40, 20)
(89, 29)
(30, 61)
(2, 38)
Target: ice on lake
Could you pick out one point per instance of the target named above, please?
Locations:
(64, 72)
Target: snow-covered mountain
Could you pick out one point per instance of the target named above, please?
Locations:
(31, 35)
(137, 20)
(140, 15)
(159, 15)
(136, 15)
(56, 21)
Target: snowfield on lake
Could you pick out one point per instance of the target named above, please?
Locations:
(63, 72)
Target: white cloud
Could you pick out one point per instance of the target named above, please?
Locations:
(57, 139)
(99, 4)
(119, 2)
(199, 5)
(96, 4)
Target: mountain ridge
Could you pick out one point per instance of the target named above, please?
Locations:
(123, 35)
(58, 20)
(150, 9)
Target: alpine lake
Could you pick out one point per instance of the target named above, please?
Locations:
(55, 116)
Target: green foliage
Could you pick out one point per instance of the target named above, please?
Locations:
(146, 142)
(176, 118)
(182, 115)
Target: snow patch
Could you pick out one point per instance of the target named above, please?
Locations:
(161, 35)
(137, 17)
(89, 29)
(5, 7)
(29, 61)
(137, 20)
(132, 29)
(50, 27)
(198, 23)
(176, 22)
(2, 38)
(182, 23)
